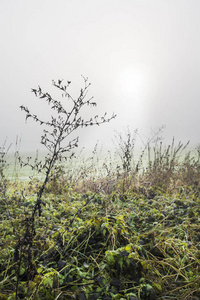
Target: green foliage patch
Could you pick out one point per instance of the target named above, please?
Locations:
(138, 248)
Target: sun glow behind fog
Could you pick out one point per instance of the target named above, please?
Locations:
(135, 85)
(131, 82)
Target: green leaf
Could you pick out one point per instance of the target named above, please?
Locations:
(131, 296)
(39, 270)
(48, 281)
(128, 247)
(148, 288)
(120, 261)
(110, 257)
(22, 271)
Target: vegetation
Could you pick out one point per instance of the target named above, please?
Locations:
(104, 229)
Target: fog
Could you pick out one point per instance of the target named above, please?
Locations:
(141, 57)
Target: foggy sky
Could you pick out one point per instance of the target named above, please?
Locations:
(142, 58)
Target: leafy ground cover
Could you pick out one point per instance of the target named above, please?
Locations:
(136, 236)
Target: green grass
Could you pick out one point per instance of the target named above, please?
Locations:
(119, 235)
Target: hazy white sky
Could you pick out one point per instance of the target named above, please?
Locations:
(142, 58)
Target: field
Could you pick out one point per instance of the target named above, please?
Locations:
(105, 230)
